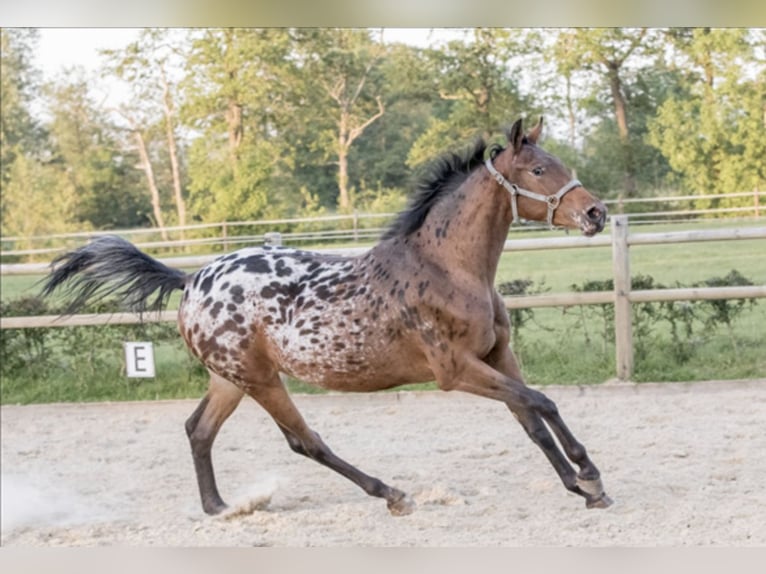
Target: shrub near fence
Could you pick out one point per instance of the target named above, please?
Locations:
(673, 340)
(51, 364)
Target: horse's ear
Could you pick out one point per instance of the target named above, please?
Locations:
(534, 134)
(515, 136)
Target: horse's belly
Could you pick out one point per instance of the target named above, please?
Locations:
(349, 361)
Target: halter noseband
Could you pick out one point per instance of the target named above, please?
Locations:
(553, 201)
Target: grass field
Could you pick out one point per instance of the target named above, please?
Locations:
(555, 345)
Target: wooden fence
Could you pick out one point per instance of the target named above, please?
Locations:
(227, 235)
(622, 296)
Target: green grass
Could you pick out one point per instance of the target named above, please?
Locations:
(554, 347)
(686, 263)
(177, 376)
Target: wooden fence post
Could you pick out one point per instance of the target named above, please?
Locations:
(273, 238)
(623, 320)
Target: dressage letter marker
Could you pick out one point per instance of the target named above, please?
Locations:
(139, 358)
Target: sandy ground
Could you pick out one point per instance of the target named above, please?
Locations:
(685, 464)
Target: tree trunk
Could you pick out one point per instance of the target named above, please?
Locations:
(146, 165)
(571, 113)
(347, 136)
(344, 199)
(234, 123)
(620, 111)
(233, 113)
(615, 85)
(167, 101)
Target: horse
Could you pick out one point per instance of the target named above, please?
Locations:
(419, 306)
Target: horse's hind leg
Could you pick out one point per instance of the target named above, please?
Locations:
(202, 427)
(274, 398)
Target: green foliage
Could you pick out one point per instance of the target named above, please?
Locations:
(281, 122)
(339, 71)
(478, 87)
(86, 363)
(238, 99)
(520, 317)
(88, 157)
(19, 82)
(689, 323)
(711, 130)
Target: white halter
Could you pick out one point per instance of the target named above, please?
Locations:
(552, 200)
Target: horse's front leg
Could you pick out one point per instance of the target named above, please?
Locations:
(588, 478)
(501, 381)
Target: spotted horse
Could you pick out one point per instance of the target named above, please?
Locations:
(418, 306)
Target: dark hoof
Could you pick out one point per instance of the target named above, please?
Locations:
(402, 506)
(215, 509)
(602, 502)
(595, 497)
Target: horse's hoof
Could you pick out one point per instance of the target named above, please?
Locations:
(215, 509)
(402, 506)
(602, 502)
(592, 487)
(595, 497)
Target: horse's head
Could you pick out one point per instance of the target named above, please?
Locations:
(541, 187)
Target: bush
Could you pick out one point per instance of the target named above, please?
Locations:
(39, 353)
(689, 323)
(675, 328)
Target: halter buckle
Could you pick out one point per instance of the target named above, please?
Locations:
(499, 177)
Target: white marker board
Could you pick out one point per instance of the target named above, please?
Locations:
(139, 359)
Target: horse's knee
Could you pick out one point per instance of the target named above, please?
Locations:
(543, 405)
(296, 446)
(577, 452)
(314, 448)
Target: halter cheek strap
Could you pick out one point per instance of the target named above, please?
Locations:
(553, 201)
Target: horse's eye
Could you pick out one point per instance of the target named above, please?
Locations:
(538, 171)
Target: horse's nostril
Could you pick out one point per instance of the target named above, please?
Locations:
(595, 214)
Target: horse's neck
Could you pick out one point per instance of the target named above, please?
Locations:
(468, 228)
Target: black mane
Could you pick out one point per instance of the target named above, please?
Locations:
(443, 175)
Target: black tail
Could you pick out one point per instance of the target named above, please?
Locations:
(111, 266)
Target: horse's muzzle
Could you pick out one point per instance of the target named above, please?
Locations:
(595, 219)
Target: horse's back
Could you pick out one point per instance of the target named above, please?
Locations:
(319, 318)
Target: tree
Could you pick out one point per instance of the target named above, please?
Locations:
(378, 169)
(85, 148)
(145, 65)
(476, 80)
(606, 52)
(340, 68)
(19, 82)
(35, 199)
(712, 129)
(236, 97)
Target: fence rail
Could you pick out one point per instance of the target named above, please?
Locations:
(226, 235)
(621, 297)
